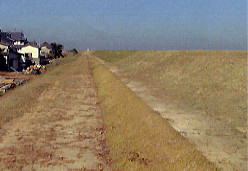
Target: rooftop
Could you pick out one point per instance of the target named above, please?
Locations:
(45, 44)
(17, 36)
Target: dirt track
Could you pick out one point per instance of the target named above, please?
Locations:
(63, 132)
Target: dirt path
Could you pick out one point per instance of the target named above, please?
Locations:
(63, 132)
(218, 142)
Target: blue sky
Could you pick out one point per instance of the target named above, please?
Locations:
(129, 24)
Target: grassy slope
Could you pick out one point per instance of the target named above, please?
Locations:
(20, 100)
(114, 56)
(137, 137)
(213, 81)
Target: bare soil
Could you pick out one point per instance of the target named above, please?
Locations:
(226, 147)
(15, 75)
(64, 131)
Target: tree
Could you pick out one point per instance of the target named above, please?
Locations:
(74, 51)
(57, 50)
(2, 60)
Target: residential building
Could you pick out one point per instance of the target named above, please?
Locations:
(20, 53)
(5, 37)
(4, 46)
(14, 61)
(45, 49)
(29, 51)
(18, 38)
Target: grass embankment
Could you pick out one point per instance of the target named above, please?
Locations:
(20, 100)
(212, 81)
(114, 55)
(139, 138)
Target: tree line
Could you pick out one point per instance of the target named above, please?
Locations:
(56, 50)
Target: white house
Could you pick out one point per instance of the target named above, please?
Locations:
(14, 60)
(31, 52)
(45, 49)
(4, 47)
(12, 57)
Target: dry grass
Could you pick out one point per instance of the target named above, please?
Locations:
(113, 55)
(212, 81)
(22, 99)
(139, 138)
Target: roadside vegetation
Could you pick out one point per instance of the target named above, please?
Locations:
(137, 137)
(21, 99)
(56, 50)
(211, 81)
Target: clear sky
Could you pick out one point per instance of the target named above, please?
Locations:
(130, 24)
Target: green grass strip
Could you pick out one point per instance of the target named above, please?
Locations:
(113, 55)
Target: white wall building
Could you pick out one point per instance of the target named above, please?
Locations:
(30, 51)
(4, 46)
(44, 51)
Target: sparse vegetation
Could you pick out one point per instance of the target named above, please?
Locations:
(139, 138)
(73, 51)
(22, 99)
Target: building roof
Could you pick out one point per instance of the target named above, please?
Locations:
(26, 45)
(17, 36)
(6, 38)
(45, 44)
(4, 43)
(33, 43)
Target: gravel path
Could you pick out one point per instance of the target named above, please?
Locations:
(63, 132)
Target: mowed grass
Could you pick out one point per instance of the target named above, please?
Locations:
(137, 137)
(21, 100)
(211, 81)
